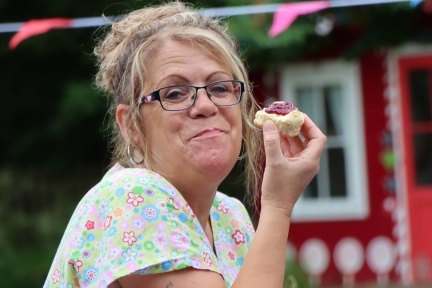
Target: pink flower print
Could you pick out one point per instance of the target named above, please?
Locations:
(56, 276)
(86, 253)
(179, 240)
(196, 263)
(107, 223)
(231, 255)
(238, 237)
(222, 207)
(77, 264)
(161, 226)
(207, 258)
(89, 225)
(134, 199)
(124, 225)
(129, 237)
(114, 252)
(132, 266)
(138, 223)
(150, 192)
(160, 239)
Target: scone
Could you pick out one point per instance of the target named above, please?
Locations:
(284, 115)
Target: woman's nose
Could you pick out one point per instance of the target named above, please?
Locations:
(203, 104)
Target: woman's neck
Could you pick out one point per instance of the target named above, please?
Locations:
(199, 191)
(200, 202)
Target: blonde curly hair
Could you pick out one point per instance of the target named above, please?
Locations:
(123, 55)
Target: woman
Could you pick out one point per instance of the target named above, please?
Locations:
(183, 110)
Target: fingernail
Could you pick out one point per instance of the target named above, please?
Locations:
(269, 126)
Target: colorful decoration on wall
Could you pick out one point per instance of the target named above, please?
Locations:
(381, 258)
(349, 259)
(398, 209)
(314, 258)
(387, 158)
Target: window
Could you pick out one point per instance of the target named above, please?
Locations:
(330, 94)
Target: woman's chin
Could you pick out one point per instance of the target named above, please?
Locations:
(216, 165)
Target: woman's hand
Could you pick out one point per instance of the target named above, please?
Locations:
(290, 165)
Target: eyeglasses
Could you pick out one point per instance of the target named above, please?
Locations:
(182, 97)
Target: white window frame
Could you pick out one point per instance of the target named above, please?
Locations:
(355, 205)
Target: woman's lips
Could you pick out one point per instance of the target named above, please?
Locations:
(209, 133)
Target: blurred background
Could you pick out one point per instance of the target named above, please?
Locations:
(362, 72)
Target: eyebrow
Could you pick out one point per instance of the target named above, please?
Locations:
(180, 79)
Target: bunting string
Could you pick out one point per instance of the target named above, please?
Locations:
(284, 15)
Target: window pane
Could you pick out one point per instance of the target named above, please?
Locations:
(333, 108)
(420, 95)
(423, 158)
(305, 100)
(337, 172)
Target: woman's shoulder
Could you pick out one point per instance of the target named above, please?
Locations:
(223, 202)
(118, 174)
(133, 220)
(139, 181)
(227, 199)
(228, 208)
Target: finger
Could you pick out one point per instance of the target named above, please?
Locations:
(285, 147)
(296, 145)
(272, 145)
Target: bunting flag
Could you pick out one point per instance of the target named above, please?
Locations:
(284, 16)
(36, 27)
(287, 13)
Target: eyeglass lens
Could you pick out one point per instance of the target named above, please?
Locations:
(222, 93)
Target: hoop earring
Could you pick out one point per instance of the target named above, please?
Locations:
(130, 155)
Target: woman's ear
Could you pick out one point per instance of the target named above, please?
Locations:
(121, 115)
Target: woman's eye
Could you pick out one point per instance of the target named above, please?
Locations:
(219, 89)
(174, 95)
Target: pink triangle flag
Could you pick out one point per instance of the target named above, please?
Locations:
(36, 27)
(287, 13)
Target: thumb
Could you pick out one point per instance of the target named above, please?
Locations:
(271, 141)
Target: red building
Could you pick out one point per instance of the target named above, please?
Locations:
(367, 216)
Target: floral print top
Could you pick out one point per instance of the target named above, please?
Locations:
(135, 221)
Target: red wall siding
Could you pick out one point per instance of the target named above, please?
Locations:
(379, 222)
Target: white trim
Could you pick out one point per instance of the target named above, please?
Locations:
(395, 125)
(346, 74)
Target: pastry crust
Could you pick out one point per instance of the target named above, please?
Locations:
(288, 125)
